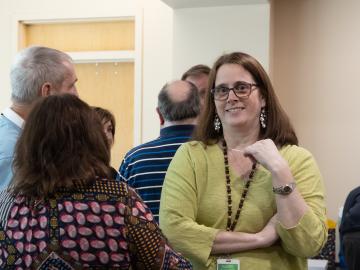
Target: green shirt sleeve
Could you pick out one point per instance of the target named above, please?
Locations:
(308, 237)
(178, 210)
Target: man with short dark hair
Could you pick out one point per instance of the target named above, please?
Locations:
(144, 167)
(36, 72)
(198, 75)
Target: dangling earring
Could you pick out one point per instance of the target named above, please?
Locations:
(263, 118)
(217, 123)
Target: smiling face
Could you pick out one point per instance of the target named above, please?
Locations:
(235, 112)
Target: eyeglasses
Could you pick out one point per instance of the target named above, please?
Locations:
(240, 89)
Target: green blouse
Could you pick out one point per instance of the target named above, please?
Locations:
(194, 208)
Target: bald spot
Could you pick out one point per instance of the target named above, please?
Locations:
(178, 91)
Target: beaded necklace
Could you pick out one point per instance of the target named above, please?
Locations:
(231, 226)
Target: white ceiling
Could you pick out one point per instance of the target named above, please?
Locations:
(210, 3)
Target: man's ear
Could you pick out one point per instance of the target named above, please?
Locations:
(45, 89)
(161, 118)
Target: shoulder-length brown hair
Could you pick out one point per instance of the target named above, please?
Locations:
(62, 144)
(105, 116)
(278, 126)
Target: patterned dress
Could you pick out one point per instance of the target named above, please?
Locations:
(101, 226)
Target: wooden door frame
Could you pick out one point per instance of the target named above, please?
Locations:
(135, 14)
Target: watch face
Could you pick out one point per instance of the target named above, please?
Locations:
(284, 190)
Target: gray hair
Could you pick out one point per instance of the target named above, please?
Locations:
(177, 111)
(33, 67)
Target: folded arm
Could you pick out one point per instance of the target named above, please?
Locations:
(231, 242)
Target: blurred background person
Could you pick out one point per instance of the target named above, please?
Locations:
(243, 190)
(36, 72)
(350, 230)
(67, 211)
(109, 124)
(198, 75)
(144, 167)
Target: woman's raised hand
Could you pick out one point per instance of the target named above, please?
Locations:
(266, 153)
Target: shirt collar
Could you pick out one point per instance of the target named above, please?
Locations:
(13, 117)
(177, 130)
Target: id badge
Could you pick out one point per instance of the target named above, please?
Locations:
(228, 264)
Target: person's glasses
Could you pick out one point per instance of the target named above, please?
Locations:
(240, 89)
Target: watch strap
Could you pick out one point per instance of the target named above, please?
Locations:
(285, 190)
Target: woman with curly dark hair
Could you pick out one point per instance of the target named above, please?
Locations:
(67, 212)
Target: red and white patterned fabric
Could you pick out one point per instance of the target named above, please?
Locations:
(100, 226)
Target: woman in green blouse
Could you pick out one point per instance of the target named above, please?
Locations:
(244, 191)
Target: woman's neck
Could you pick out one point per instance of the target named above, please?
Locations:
(237, 140)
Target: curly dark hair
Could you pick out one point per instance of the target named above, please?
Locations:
(62, 143)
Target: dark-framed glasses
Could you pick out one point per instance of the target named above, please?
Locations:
(241, 90)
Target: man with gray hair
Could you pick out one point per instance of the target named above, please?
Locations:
(144, 167)
(36, 72)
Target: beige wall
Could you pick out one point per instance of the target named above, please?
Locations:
(315, 68)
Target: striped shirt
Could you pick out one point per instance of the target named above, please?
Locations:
(6, 202)
(144, 167)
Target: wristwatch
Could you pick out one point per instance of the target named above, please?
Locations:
(285, 190)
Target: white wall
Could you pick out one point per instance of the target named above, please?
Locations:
(201, 35)
(157, 61)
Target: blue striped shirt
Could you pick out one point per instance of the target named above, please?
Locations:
(144, 167)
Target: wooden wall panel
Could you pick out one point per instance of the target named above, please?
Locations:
(83, 36)
(111, 86)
